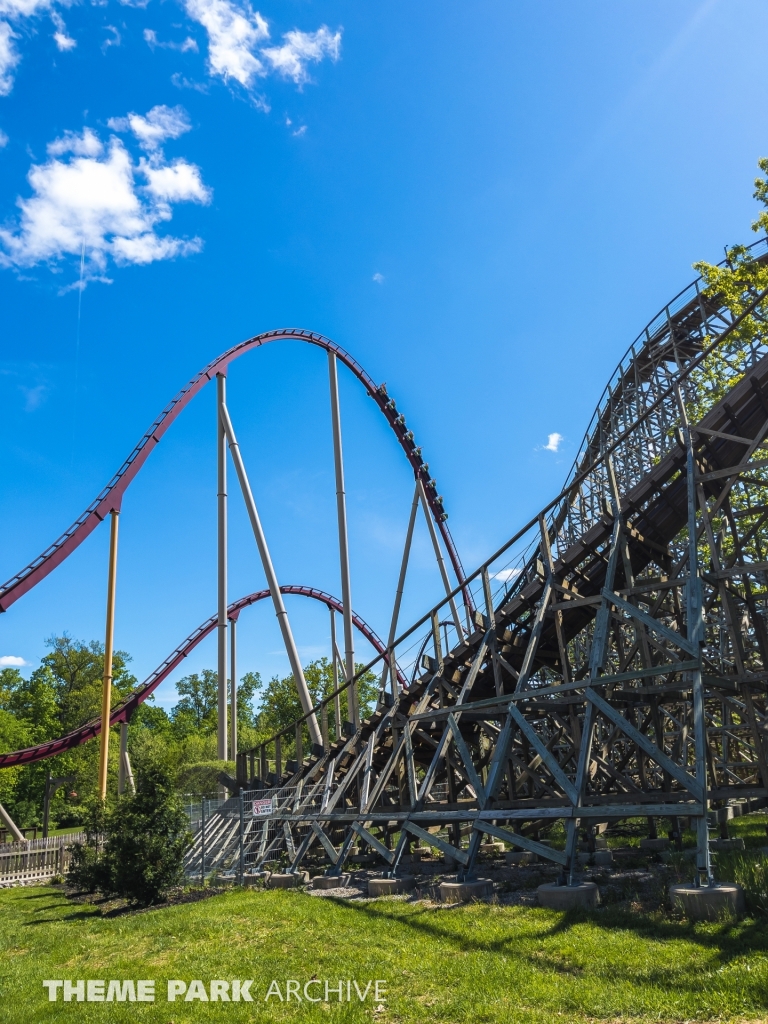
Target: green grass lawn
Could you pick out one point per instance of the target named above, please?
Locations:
(473, 963)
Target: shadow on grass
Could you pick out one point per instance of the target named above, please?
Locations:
(728, 939)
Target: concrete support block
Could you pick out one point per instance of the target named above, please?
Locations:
(492, 849)
(330, 881)
(726, 845)
(520, 858)
(464, 892)
(390, 886)
(566, 897)
(654, 845)
(602, 858)
(708, 902)
(287, 881)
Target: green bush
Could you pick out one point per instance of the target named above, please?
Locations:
(87, 869)
(135, 848)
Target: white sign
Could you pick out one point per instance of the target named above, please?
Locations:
(262, 808)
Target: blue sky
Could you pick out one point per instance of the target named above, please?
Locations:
(484, 203)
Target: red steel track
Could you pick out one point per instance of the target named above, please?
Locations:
(111, 497)
(123, 711)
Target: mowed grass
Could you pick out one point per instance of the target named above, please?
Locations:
(473, 963)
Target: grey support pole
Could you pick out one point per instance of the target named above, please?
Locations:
(401, 581)
(335, 671)
(439, 557)
(341, 513)
(269, 572)
(221, 460)
(233, 688)
(121, 772)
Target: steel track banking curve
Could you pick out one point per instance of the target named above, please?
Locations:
(110, 498)
(123, 711)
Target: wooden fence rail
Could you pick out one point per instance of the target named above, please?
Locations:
(36, 860)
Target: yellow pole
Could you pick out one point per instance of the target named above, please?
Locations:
(106, 700)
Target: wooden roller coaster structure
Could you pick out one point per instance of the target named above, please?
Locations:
(613, 661)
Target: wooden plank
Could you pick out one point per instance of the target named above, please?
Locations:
(683, 777)
(461, 746)
(328, 846)
(653, 624)
(373, 842)
(439, 844)
(548, 759)
(522, 841)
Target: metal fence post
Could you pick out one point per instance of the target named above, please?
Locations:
(242, 836)
(202, 840)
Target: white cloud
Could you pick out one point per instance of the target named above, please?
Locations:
(553, 443)
(189, 45)
(11, 661)
(62, 40)
(301, 48)
(116, 39)
(505, 575)
(9, 57)
(378, 278)
(94, 194)
(161, 123)
(234, 33)
(3, 139)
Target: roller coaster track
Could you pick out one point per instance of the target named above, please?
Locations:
(123, 710)
(618, 664)
(620, 670)
(111, 497)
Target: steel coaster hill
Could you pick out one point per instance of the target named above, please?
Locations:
(609, 661)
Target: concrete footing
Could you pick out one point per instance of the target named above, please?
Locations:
(492, 849)
(465, 892)
(726, 845)
(602, 858)
(330, 881)
(566, 897)
(708, 902)
(287, 881)
(654, 845)
(520, 857)
(390, 886)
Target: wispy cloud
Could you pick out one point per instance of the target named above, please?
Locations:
(63, 41)
(234, 35)
(300, 49)
(553, 443)
(12, 661)
(115, 40)
(12, 12)
(97, 195)
(378, 278)
(33, 397)
(188, 45)
(237, 35)
(3, 139)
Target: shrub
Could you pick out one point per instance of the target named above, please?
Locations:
(87, 871)
(135, 848)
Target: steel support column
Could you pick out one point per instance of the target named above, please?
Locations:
(341, 513)
(274, 587)
(233, 688)
(221, 465)
(106, 696)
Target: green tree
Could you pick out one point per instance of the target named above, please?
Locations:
(279, 705)
(197, 709)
